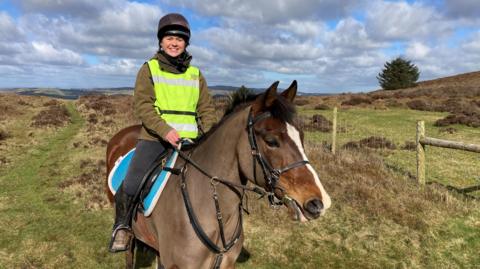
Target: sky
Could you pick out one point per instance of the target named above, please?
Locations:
(328, 46)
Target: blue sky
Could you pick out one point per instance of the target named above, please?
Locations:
(326, 45)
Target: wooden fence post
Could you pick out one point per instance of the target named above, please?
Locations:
(420, 153)
(334, 130)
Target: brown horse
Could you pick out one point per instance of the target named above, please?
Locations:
(197, 221)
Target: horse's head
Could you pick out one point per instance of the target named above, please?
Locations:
(281, 165)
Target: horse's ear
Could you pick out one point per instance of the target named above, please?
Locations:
(266, 99)
(271, 94)
(291, 92)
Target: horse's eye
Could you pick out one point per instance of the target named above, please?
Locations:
(271, 142)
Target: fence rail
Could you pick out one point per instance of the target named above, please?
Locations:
(422, 141)
(449, 144)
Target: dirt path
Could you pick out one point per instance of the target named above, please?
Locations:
(40, 226)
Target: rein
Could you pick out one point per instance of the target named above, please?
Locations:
(271, 176)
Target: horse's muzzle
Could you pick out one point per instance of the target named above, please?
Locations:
(313, 208)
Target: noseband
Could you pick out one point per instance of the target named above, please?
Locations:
(271, 175)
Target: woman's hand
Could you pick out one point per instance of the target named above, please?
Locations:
(172, 137)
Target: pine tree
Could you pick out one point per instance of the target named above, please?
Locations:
(398, 74)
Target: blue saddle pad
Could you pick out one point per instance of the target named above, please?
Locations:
(119, 171)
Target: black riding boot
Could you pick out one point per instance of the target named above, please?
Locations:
(122, 232)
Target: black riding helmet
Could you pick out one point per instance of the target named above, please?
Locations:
(174, 24)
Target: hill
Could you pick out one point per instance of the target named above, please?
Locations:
(461, 85)
(72, 94)
(471, 79)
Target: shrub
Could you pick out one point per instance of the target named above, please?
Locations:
(418, 104)
(51, 102)
(398, 74)
(357, 100)
(322, 107)
(409, 145)
(92, 118)
(4, 135)
(320, 123)
(23, 103)
(53, 116)
(371, 142)
(470, 119)
(301, 102)
(450, 105)
(393, 103)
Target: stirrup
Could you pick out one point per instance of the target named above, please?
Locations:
(128, 239)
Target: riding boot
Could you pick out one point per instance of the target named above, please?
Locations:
(122, 232)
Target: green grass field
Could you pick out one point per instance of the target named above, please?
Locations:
(379, 218)
(445, 166)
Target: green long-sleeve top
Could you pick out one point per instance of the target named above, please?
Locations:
(153, 126)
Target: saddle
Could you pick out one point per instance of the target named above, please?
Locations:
(154, 180)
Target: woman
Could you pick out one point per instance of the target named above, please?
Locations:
(169, 96)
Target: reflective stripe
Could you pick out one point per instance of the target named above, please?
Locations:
(176, 81)
(176, 112)
(184, 127)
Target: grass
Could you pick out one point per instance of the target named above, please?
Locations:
(54, 213)
(41, 227)
(445, 166)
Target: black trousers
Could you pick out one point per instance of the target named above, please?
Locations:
(146, 153)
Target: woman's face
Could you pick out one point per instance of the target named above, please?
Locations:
(173, 45)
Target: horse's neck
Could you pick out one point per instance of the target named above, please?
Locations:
(218, 153)
(218, 156)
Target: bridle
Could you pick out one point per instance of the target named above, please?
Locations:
(271, 177)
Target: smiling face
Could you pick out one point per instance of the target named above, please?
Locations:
(173, 45)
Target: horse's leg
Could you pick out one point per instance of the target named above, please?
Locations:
(144, 255)
(130, 255)
(159, 263)
(244, 255)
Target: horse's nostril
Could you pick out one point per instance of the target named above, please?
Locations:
(314, 207)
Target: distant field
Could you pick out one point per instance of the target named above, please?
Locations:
(54, 213)
(446, 166)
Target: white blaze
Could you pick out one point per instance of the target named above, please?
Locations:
(295, 136)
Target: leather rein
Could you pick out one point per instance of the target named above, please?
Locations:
(271, 176)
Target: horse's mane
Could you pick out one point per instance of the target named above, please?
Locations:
(281, 109)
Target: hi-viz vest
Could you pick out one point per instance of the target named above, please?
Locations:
(177, 97)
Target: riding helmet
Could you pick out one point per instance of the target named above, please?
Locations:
(174, 24)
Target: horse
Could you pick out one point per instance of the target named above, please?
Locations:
(197, 222)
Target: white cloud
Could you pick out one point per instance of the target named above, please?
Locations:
(404, 21)
(472, 45)
(8, 29)
(271, 12)
(119, 67)
(247, 47)
(46, 53)
(73, 8)
(306, 30)
(124, 31)
(351, 38)
(417, 50)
